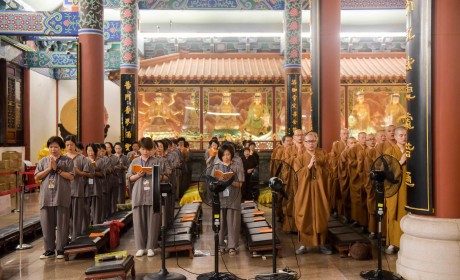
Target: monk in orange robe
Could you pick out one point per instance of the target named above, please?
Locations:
(276, 160)
(289, 177)
(310, 202)
(335, 199)
(344, 179)
(396, 204)
(357, 192)
(365, 160)
(388, 143)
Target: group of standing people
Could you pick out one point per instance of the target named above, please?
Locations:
(338, 182)
(83, 187)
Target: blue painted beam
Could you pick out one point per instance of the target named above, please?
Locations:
(33, 24)
(64, 60)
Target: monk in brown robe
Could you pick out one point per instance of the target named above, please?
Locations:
(311, 205)
(396, 204)
(278, 152)
(388, 143)
(357, 192)
(365, 160)
(335, 199)
(275, 162)
(344, 179)
(288, 176)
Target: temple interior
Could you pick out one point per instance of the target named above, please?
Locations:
(239, 71)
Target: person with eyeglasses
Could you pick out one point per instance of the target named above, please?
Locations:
(290, 154)
(365, 160)
(357, 192)
(310, 201)
(344, 179)
(335, 199)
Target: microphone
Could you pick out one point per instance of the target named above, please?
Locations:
(277, 184)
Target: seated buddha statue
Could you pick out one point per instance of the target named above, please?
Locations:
(226, 114)
(258, 119)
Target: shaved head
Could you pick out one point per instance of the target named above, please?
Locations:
(344, 134)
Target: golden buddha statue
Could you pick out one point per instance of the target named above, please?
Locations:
(359, 119)
(192, 114)
(226, 115)
(158, 114)
(395, 113)
(258, 119)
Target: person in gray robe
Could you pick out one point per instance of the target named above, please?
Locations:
(55, 172)
(113, 177)
(96, 187)
(146, 223)
(230, 199)
(123, 164)
(77, 187)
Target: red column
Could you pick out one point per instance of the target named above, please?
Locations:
(90, 36)
(27, 113)
(445, 105)
(330, 71)
(325, 56)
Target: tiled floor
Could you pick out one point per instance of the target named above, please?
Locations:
(27, 265)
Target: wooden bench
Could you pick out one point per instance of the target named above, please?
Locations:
(84, 243)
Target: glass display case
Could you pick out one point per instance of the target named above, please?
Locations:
(238, 112)
(169, 112)
(372, 108)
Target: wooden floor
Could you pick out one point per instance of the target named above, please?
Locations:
(27, 265)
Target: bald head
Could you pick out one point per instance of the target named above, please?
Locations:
(390, 131)
(401, 136)
(362, 138)
(351, 141)
(344, 134)
(370, 140)
(380, 137)
(298, 136)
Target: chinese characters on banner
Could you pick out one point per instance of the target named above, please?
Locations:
(294, 105)
(418, 117)
(128, 110)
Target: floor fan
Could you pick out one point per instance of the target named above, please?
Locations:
(160, 192)
(386, 177)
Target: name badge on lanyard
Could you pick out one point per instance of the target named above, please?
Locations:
(226, 192)
(51, 182)
(146, 184)
(90, 181)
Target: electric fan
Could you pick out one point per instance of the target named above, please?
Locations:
(386, 177)
(160, 191)
(209, 188)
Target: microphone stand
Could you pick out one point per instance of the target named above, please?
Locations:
(163, 274)
(216, 228)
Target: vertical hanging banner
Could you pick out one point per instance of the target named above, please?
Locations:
(128, 101)
(419, 179)
(294, 110)
(293, 64)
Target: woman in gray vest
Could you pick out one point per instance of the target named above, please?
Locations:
(55, 172)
